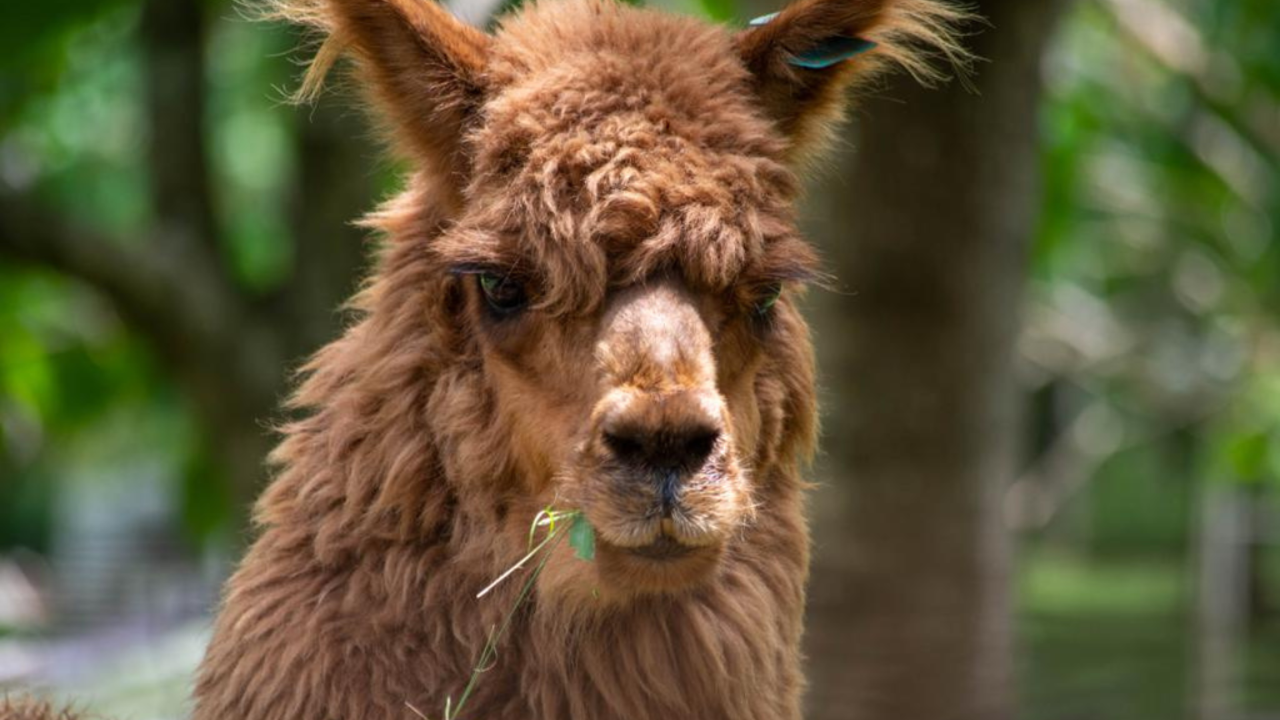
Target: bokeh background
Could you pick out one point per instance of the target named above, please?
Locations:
(1050, 362)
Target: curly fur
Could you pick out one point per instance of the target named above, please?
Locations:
(634, 172)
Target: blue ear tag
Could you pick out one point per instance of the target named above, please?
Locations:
(831, 51)
(835, 49)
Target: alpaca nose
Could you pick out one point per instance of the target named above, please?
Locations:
(664, 452)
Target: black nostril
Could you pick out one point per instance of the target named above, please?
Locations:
(664, 450)
(697, 446)
(627, 446)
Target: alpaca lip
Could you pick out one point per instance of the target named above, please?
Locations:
(664, 548)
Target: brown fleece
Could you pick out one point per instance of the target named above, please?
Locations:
(30, 709)
(630, 176)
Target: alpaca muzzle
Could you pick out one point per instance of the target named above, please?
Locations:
(661, 439)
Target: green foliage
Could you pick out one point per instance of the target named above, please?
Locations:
(35, 37)
(252, 146)
(1103, 638)
(73, 130)
(1062, 583)
(80, 140)
(1141, 499)
(1157, 264)
(67, 364)
(205, 501)
(719, 10)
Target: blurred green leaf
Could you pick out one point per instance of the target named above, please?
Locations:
(1248, 456)
(582, 537)
(720, 10)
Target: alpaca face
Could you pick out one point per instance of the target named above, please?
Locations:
(629, 273)
(602, 206)
(625, 367)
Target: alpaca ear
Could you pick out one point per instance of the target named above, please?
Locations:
(422, 66)
(804, 58)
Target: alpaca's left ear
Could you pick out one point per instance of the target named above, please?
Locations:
(422, 65)
(803, 58)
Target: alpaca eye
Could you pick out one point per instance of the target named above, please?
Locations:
(769, 299)
(504, 294)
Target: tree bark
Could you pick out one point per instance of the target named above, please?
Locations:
(926, 226)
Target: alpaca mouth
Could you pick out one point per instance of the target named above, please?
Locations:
(664, 548)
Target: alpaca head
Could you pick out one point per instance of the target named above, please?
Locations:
(616, 260)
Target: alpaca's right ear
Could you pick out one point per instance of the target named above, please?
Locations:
(422, 65)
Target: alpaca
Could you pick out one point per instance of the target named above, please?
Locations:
(586, 300)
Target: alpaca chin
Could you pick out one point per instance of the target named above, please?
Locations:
(619, 576)
(637, 572)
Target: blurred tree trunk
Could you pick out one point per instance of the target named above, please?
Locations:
(927, 227)
(233, 363)
(1225, 539)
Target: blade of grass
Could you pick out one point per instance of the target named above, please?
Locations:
(516, 567)
(490, 651)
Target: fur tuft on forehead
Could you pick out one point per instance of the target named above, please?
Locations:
(607, 204)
